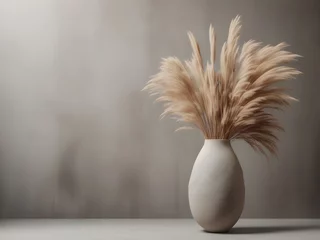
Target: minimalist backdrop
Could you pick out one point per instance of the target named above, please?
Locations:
(78, 138)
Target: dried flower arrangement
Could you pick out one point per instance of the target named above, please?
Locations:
(230, 103)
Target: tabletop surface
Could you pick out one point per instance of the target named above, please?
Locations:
(156, 229)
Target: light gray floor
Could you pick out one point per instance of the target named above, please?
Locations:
(156, 229)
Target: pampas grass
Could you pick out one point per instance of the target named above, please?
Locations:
(230, 103)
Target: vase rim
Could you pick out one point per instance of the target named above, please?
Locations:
(216, 140)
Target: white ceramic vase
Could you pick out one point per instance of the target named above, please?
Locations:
(216, 187)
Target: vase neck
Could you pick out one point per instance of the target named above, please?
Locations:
(217, 142)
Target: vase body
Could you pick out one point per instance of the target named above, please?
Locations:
(216, 187)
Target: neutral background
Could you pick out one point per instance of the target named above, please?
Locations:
(79, 139)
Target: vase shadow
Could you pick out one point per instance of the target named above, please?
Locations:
(269, 229)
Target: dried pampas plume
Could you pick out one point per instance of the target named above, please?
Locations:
(230, 103)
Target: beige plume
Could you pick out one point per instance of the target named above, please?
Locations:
(230, 103)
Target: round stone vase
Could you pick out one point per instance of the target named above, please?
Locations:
(216, 187)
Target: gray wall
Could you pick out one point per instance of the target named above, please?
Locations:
(79, 139)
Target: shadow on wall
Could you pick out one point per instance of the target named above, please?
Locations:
(112, 164)
(66, 179)
(132, 147)
(66, 197)
(1, 185)
(315, 196)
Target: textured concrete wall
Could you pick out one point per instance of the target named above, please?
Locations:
(79, 139)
